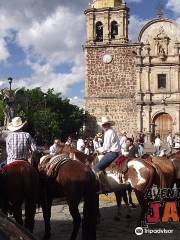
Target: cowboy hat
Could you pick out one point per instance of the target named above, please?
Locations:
(16, 124)
(105, 120)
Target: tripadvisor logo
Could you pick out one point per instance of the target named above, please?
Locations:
(139, 231)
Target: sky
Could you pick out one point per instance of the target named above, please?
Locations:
(41, 41)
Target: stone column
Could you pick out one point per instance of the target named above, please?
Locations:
(148, 88)
(139, 118)
(148, 70)
(106, 32)
(177, 78)
(147, 110)
(139, 79)
(90, 27)
(178, 118)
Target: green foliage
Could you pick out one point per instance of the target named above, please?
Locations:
(49, 116)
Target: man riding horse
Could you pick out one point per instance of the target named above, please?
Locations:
(110, 150)
(18, 142)
(19, 181)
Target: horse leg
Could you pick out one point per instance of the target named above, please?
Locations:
(30, 210)
(130, 198)
(17, 213)
(46, 208)
(143, 204)
(118, 196)
(74, 211)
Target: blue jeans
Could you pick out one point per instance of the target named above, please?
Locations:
(106, 161)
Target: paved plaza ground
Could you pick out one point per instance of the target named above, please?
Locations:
(108, 229)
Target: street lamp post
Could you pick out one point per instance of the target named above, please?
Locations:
(10, 79)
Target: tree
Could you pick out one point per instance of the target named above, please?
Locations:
(49, 116)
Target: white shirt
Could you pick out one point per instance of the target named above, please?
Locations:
(80, 145)
(111, 141)
(52, 150)
(96, 144)
(170, 140)
(157, 142)
(123, 142)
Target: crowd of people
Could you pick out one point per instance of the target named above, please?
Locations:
(171, 142)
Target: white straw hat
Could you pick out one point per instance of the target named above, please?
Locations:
(16, 124)
(105, 120)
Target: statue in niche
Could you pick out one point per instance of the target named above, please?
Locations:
(161, 51)
(161, 43)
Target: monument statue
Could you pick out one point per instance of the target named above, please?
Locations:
(13, 99)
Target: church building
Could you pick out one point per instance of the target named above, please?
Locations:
(136, 84)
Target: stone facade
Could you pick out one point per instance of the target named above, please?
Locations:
(111, 88)
(158, 57)
(137, 85)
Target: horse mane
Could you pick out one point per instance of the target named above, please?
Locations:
(82, 157)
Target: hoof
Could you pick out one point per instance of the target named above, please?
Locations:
(116, 218)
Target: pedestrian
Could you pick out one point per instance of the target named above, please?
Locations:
(18, 142)
(157, 145)
(96, 142)
(80, 145)
(70, 142)
(123, 142)
(53, 149)
(132, 149)
(170, 143)
(140, 142)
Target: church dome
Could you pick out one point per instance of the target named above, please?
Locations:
(106, 3)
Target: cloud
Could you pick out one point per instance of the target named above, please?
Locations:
(135, 26)
(51, 33)
(4, 53)
(174, 5)
(49, 37)
(80, 102)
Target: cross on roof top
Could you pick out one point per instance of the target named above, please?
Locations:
(160, 9)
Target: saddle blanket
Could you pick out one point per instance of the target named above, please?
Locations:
(13, 163)
(55, 163)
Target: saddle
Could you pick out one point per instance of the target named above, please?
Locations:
(55, 163)
(164, 169)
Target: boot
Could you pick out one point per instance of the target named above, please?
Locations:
(103, 182)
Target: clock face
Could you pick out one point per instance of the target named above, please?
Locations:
(107, 58)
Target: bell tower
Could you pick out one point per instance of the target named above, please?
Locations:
(110, 79)
(107, 21)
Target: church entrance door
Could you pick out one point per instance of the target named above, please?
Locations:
(163, 123)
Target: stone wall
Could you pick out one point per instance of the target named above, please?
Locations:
(111, 88)
(122, 111)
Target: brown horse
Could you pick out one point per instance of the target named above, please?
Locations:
(91, 161)
(20, 184)
(76, 182)
(142, 173)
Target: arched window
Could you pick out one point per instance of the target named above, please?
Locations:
(99, 32)
(114, 29)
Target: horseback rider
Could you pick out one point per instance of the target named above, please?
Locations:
(18, 142)
(111, 145)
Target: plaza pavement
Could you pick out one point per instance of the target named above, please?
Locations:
(108, 229)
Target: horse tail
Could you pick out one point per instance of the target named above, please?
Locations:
(90, 207)
(31, 190)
